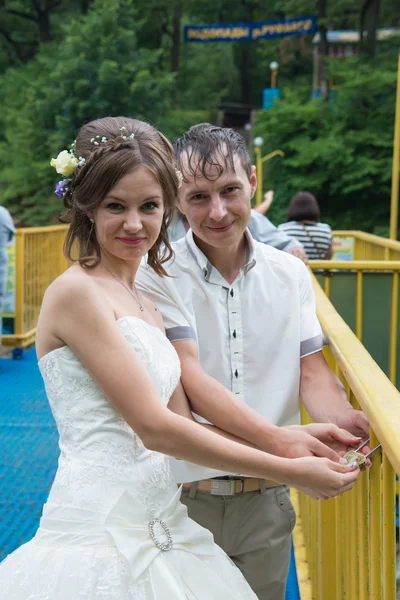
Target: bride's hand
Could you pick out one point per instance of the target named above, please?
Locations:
(296, 442)
(321, 478)
(329, 434)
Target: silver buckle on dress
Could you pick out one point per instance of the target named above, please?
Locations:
(164, 546)
(223, 487)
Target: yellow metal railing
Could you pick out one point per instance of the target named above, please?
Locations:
(39, 260)
(332, 268)
(345, 548)
(371, 247)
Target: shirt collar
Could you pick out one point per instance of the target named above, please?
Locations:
(205, 265)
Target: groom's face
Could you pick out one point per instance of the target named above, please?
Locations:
(217, 206)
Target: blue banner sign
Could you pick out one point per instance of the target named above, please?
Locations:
(238, 32)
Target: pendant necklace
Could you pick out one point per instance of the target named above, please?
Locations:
(127, 289)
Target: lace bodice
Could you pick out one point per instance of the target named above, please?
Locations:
(99, 452)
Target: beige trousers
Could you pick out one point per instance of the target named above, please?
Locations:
(254, 529)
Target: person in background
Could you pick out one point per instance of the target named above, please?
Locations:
(259, 226)
(303, 224)
(263, 208)
(7, 231)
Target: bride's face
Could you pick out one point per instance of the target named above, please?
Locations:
(129, 219)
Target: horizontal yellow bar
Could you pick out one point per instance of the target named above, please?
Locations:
(369, 237)
(46, 229)
(356, 265)
(19, 340)
(272, 154)
(377, 396)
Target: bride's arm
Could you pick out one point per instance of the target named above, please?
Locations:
(87, 325)
(179, 404)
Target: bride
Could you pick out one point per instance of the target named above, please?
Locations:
(113, 527)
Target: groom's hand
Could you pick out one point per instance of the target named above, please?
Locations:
(336, 438)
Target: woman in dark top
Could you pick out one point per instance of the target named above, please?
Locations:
(303, 224)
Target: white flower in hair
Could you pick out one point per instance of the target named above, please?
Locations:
(65, 163)
(179, 176)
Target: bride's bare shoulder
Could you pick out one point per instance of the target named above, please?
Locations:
(75, 289)
(70, 304)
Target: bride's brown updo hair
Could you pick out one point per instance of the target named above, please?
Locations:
(111, 152)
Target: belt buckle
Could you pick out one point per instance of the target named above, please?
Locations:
(222, 487)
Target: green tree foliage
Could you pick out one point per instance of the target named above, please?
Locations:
(64, 62)
(341, 151)
(98, 70)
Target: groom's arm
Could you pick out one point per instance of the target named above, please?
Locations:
(209, 398)
(212, 401)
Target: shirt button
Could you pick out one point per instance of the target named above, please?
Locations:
(232, 293)
(236, 373)
(234, 333)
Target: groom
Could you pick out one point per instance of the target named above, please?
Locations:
(241, 316)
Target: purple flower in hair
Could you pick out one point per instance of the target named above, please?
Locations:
(61, 187)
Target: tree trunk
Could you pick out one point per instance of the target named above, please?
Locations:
(368, 26)
(245, 49)
(44, 25)
(323, 48)
(85, 6)
(245, 78)
(176, 36)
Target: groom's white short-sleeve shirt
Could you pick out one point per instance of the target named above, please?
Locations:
(250, 334)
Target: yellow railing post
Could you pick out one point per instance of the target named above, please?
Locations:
(394, 205)
(327, 285)
(359, 309)
(393, 328)
(362, 534)
(259, 169)
(19, 283)
(375, 538)
(389, 530)
(326, 547)
(257, 150)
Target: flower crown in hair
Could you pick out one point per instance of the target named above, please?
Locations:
(103, 140)
(66, 164)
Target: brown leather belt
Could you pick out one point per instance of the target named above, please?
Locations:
(230, 487)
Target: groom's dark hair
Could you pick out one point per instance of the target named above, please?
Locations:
(206, 146)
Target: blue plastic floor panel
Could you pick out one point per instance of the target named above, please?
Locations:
(292, 585)
(29, 454)
(28, 450)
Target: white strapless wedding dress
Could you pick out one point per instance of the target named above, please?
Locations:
(113, 527)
